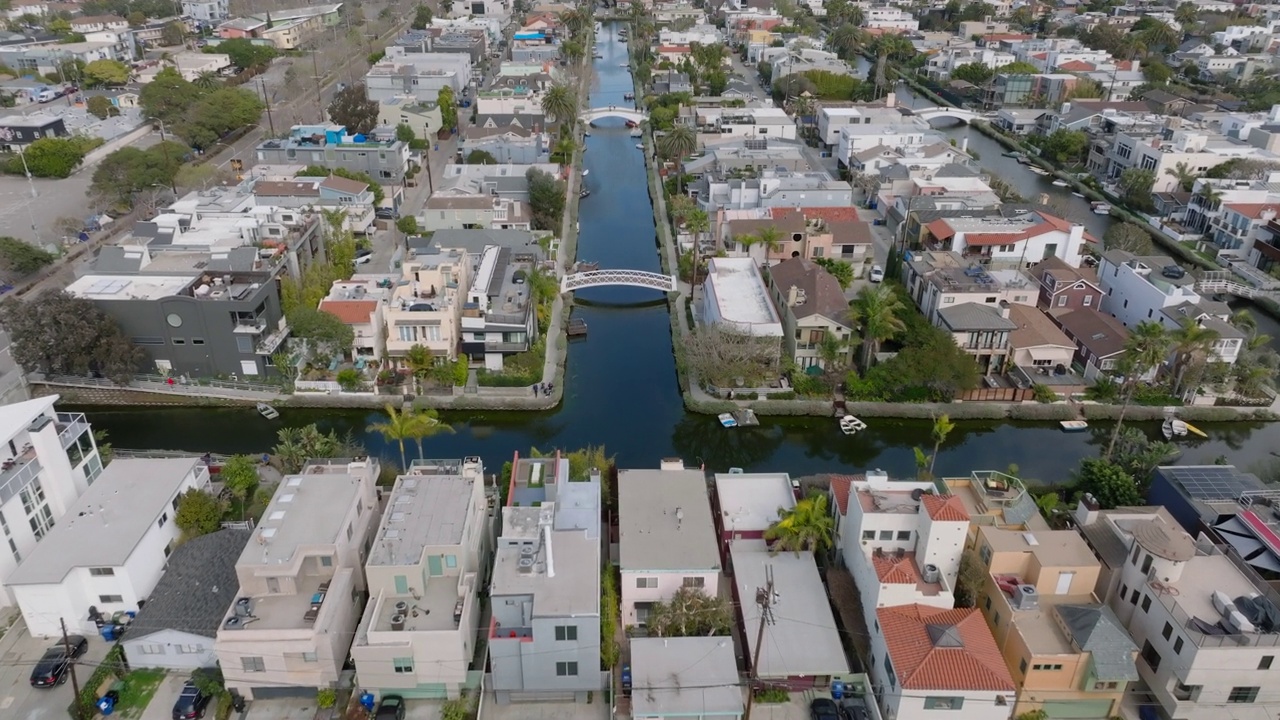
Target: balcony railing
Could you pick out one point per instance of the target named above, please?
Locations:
(271, 343)
(72, 425)
(18, 477)
(250, 327)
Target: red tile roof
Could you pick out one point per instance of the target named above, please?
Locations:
(940, 649)
(945, 509)
(833, 213)
(941, 229)
(893, 570)
(1253, 210)
(673, 48)
(840, 485)
(351, 312)
(1077, 66)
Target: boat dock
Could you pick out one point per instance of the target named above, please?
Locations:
(577, 328)
(746, 417)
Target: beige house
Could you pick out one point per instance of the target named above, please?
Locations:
(1038, 345)
(359, 303)
(301, 577)
(460, 212)
(812, 306)
(1068, 653)
(810, 233)
(427, 309)
(423, 117)
(417, 637)
(938, 279)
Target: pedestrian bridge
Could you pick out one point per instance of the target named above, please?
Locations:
(964, 116)
(631, 278)
(1240, 283)
(618, 111)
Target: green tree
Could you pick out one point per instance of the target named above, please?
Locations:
(678, 143)
(130, 170)
(1184, 174)
(546, 199)
(1128, 237)
(807, 527)
(352, 108)
(690, 612)
(217, 114)
(407, 225)
(448, 108)
(1192, 343)
(1109, 484)
(1135, 188)
(1186, 13)
(1019, 67)
(174, 33)
(1066, 147)
(199, 513)
(425, 424)
(405, 133)
(21, 257)
(207, 80)
(942, 427)
(101, 108)
(839, 269)
(239, 476)
(976, 73)
(846, 39)
(325, 333)
(421, 18)
(59, 334)
(560, 103)
(244, 53)
(1147, 347)
(480, 157)
(609, 609)
(106, 73)
(880, 310)
(1155, 72)
(168, 96)
(55, 157)
(398, 427)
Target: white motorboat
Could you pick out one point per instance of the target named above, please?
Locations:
(727, 420)
(1074, 425)
(850, 425)
(637, 132)
(1039, 171)
(1173, 427)
(1101, 208)
(1059, 183)
(267, 411)
(1077, 194)
(639, 146)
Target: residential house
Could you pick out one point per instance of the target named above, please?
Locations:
(98, 23)
(831, 118)
(512, 143)
(300, 580)
(359, 304)
(421, 75)
(980, 330)
(666, 538)
(18, 131)
(177, 625)
(710, 687)
(800, 647)
(900, 541)
(1065, 288)
(994, 498)
(1238, 226)
(748, 504)
(735, 298)
(380, 155)
(1038, 349)
(940, 279)
(47, 460)
(206, 11)
(812, 306)
(459, 212)
(422, 117)
(1019, 121)
(753, 122)
(544, 637)
(1100, 340)
(925, 659)
(425, 569)
(353, 197)
(1020, 241)
(110, 548)
(426, 306)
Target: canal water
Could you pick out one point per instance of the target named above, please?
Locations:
(621, 390)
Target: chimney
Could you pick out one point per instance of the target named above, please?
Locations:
(891, 99)
(1004, 309)
(795, 296)
(551, 564)
(1087, 510)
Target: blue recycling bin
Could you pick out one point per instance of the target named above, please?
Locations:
(109, 632)
(366, 700)
(837, 689)
(107, 705)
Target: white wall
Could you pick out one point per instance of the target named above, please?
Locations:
(1131, 298)
(170, 649)
(668, 584)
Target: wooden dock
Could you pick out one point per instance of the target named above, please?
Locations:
(577, 328)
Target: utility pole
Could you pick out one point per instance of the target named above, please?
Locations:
(267, 101)
(765, 597)
(71, 668)
(315, 68)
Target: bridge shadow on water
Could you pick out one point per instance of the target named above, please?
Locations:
(620, 305)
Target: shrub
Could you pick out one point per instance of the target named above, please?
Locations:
(1043, 393)
(326, 697)
(772, 695)
(349, 379)
(784, 395)
(112, 665)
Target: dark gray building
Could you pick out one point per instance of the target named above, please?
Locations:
(380, 155)
(19, 130)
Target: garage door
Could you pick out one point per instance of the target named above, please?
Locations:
(1078, 709)
(272, 693)
(425, 691)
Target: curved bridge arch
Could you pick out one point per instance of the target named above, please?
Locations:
(631, 278)
(964, 116)
(617, 111)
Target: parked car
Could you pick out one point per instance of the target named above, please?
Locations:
(824, 709)
(391, 708)
(386, 213)
(877, 274)
(191, 703)
(53, 667)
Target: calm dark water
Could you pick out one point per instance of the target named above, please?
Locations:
(622, 390)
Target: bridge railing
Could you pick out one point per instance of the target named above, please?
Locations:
(632, 278)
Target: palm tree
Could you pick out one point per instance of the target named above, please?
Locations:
(1191, 342)
(678, 144)
(942, 427)
(1187, 14)
(207, 80)
(560, 103)
(1210, 198)
(1161, 35)
(1148, 345)
(398, 427)
(574, 20)
(846, 38)
(424, 424)
(769, 237)
(806, 527)
(1185, 175)
(879, 310)
(855, 16)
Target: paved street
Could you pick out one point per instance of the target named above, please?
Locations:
(19, 653)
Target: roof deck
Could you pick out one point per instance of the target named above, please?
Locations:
(436, 609)
(1190, 599)
(300, 610)
(429, 506)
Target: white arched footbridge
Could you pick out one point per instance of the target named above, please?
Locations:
(632, 278)
(964, 116)
(617, 111)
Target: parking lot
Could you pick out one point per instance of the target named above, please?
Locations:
(19, 653)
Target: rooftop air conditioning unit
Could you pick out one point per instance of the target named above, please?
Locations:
(525, 565)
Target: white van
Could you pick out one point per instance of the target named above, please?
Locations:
(47, 95)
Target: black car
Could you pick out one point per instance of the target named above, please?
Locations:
(191, 703)
(386, 214)
(52, 668)
(391, 708)
(824, 709)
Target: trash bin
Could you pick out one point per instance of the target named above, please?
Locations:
(837, 689)
(108, 633)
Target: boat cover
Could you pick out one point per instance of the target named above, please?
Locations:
(1260, 612)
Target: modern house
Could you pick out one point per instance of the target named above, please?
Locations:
(110, 548)
(1066, 288)
(421, 75)
(427, 563)
(499, 315)
(458, 212)
(748, 504)
(360, 306)
(925, 659)
(938, 279)
(666, 538)
(379, 155)
(176, 627)
(18, 131)
(301, 578)
(544, 637)
(49, 459)
(981, 331)
(426, 305)
(801, 647)
(1020, 241)
(708, 688)
(735, 298)
(423, 118)
(1068, 653)
(812, 306)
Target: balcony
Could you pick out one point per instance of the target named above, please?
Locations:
(247, 326)
(18, 473)
(271, 343)
(70, 427)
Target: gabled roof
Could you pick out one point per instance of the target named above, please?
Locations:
(949, 508)
(1035, 329)
(1096, 630)
(840, 486)
(351, 312)
(822, 293)
(1103, 335)
(893, 570)
(344, 185)
(1063, 274)
(197, 587)
(943, 649)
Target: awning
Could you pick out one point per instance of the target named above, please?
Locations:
(1249, 547)
(1045, 353)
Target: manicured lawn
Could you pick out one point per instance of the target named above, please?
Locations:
(139, 687)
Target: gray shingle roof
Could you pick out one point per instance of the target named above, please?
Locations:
(1096, 630)
(973, 316)
(196, 589)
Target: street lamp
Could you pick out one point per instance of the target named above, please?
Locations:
(164, 147)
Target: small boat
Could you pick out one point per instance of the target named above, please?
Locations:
(598, 56)
(1101, 208)
(850, 425)
(633, 124)
(622, 40)
(637, 132)
(1059, 183)
(1079, 195)
(577, 328)
(1014, 155)
(583, 194)
(586, 173)
(1038, 171)
(639, 146)
(1193, 429)
(629, 96)
(586, 134)
(1023, 159)
(1074, 425)
(267, 411)
(1172, 428)
(726, 419)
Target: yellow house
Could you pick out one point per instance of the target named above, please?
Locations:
(1067, 652)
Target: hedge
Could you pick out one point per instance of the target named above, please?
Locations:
(112, 664)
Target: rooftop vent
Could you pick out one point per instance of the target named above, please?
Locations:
(525, 565)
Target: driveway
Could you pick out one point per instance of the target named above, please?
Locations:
(161, 705)
(598, 710)
(19, 652)
(282, 709)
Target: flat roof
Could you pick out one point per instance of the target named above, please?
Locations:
(665, 522)
(109, 520)
(752, 501)
(307, 509)
(129, 287)
(1201, 577)
(685, 676)
(422, 512)
(1040, 627)
(739, 292)
(1052, 548)
(803, 639)
(564, 582)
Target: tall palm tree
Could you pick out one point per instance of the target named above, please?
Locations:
(1210, 198)
(846, 39)
(424, 424)
(677, 144)
(855, 16)
(1161, 36)
(1185, 175)
(807, 527)
(207, 80)
(1191, 342)
(560, 103)
(769, 238)
(1186, 14)
(574, 20)
(398, 427)
(942, 427)
(1148, 345)
(879, 310)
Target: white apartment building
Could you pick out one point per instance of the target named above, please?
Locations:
(735, 297)
(421, 75)
(724, 124)
(858, 138)
(427, 309)
(667, 538)
(889, 18)
(206, 11)
(359, 304)
(301, 577)
(417, 637)
(49, 460)
(110, 549)
(1198, 151)
(1019, 241)
(831, 119)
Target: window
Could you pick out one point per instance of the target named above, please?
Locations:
(151, 649)
(402, 665)
(451, 561)
(943, 703)
(253, 664)
(886, 535)
(566, 633)
(1151, 657)
(1137, 550)
(1088, 300)
(1022, 666)
(108, 599)
(694, 582)
(1105, 685)
(1243, 694)
(1146, 603)
(566, 669)
(868, 534)
(1046, 666)
(179, 341)
(1167, 631)
(904, 534)
(985, 554)
(309, 657)
(164, 518)
(1133, 599)
(101, 572)
(326, 561)
(986, 603)
(350, 530)
(1265, 662)
(1146, 564)
(1124, 590)
(197, 341)
(244, 344)
(646, 582)
(1177, 645)
(1186, 692)
(888, 670)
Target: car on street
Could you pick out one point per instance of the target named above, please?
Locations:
(824, 709)
(385, 213)
(391, 708)
(363, 259)
(877, 274)
(52, 669)
(191, 703)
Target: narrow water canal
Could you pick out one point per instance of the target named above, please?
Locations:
(621, 385)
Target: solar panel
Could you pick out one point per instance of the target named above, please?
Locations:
(1210, 482)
